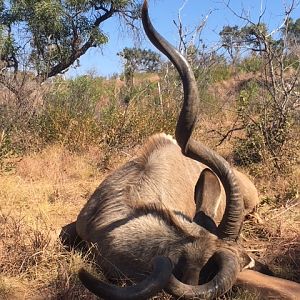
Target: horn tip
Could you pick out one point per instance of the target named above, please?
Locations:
(145, 5)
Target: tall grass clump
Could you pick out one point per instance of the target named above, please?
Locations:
(249, 64)
(68, 114)
(87, 111)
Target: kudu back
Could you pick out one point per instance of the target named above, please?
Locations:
(145, 217)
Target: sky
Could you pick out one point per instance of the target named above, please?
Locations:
(105, 62)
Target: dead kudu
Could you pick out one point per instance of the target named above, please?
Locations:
(153, 219)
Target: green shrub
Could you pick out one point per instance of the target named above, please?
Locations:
(68, 113)
(268, 131)
(250, 64)
(249, 150)
(90, 111)
(220, 72)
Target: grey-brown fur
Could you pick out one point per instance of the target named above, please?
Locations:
(145, 208)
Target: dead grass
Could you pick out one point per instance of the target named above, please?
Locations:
(46, 190)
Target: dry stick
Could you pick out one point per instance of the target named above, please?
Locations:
(286, 210)
(160, 97)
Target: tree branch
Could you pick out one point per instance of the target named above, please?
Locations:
(77, 53)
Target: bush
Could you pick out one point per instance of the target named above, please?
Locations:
(127, 125)
(249, 150)
(220, 72)
(249, 64)
(68, 114)
(90, 111)
(268, 131)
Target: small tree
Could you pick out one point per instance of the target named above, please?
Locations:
(47, 37)
(266, 109)
(136, 59)
(292, 30)
(231, 39)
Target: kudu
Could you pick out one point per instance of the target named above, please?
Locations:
(145, 211)
(144, 214)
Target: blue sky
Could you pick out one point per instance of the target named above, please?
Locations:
(105, 61)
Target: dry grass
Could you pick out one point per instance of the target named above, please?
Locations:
(46, 190)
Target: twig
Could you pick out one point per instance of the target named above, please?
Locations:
(285, 211)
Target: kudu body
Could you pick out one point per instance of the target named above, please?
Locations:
(137, 183)
(163, 176)
(146, 208)
(165, 219)
(144, 216)
(268, 287)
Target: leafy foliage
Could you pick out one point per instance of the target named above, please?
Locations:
(231, 37)
(251, 63)
(88, 112)
(251, 37)
(268, 128)
(49, 36)
(293, 30)
(136, 59)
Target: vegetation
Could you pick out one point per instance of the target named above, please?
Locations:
(59, 139)
(136, 59)
(44, 38)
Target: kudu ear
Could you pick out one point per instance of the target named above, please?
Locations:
(207, 197)
(207, 193)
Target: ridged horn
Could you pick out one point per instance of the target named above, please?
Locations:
(228, 267)
(231, 222)
(151, 285)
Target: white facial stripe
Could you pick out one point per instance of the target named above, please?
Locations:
(251, 264)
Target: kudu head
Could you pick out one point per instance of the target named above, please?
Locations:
(226, 261)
